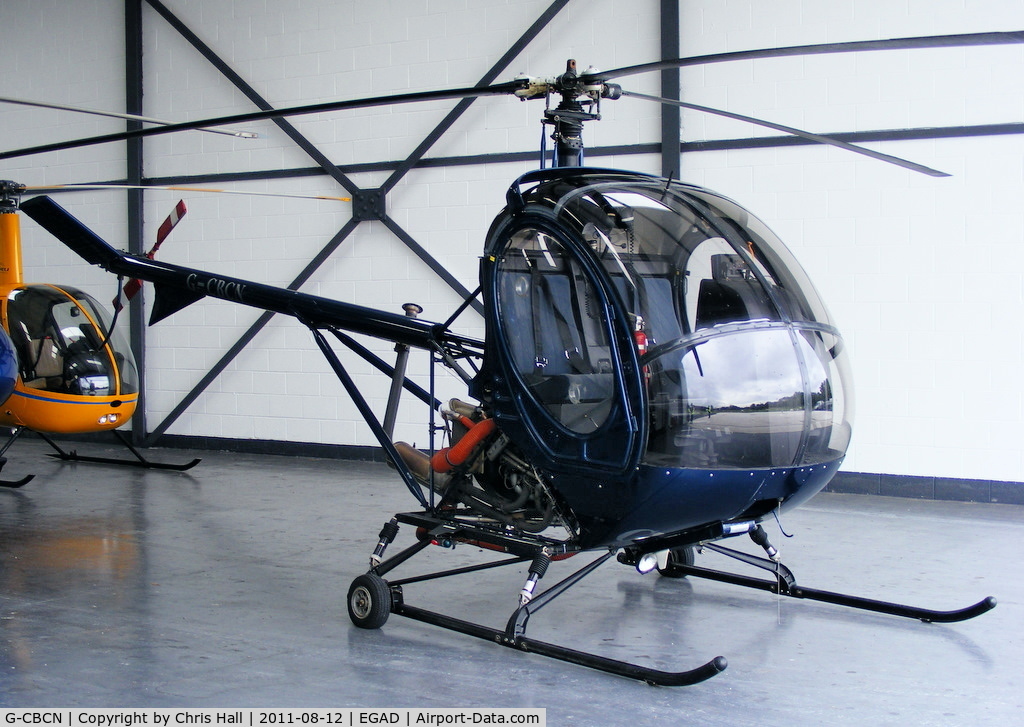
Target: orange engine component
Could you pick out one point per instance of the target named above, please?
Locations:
(450, 457)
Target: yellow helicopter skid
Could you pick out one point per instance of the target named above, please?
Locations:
(48, 411)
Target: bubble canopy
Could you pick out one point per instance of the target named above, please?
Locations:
(654, 324)
(744, 365)
(65, 344)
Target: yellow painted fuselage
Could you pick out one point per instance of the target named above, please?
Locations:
(73, 376)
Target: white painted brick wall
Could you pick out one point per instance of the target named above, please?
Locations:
(923, 275)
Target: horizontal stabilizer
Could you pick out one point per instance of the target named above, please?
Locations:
(65, 227)
(170, 299)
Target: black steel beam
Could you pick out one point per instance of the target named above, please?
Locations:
(134, 175)
(440, 270)
(925, 133)
(319, 157)
(758, 142)
(671, 116)
(460, 108)
(253, 95)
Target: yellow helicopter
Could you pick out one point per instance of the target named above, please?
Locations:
(75, 371)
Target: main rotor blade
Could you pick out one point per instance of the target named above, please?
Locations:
(401, 98)
(932, 41)
(116, 115)
(819, 138)
(176, 188)
(941, 41)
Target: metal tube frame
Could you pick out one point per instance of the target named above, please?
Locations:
(514, 634)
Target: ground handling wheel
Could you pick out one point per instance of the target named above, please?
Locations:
(677, 557)
(369, 601)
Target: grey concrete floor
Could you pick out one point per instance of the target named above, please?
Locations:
(225, 586)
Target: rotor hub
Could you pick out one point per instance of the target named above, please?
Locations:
(580, 102)
(10, 195)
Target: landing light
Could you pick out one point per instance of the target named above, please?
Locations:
(647, 562)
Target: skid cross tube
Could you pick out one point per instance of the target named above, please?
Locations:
(785, 585)
(456, 571)
(513, 635)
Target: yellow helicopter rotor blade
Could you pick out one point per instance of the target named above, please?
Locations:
(174, 188)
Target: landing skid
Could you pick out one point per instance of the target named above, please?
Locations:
(73, 456)
(139, 461)
(371, 599)
(785, 585)
(14, 484)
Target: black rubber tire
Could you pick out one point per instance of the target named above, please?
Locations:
(676, 556)
(369, 601)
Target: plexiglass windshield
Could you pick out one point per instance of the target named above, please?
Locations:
(743, 366)
(63, 343)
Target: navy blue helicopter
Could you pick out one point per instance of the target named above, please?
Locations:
(658, 374)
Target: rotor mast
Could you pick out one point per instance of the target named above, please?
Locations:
(580, 102)
(10, 233)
